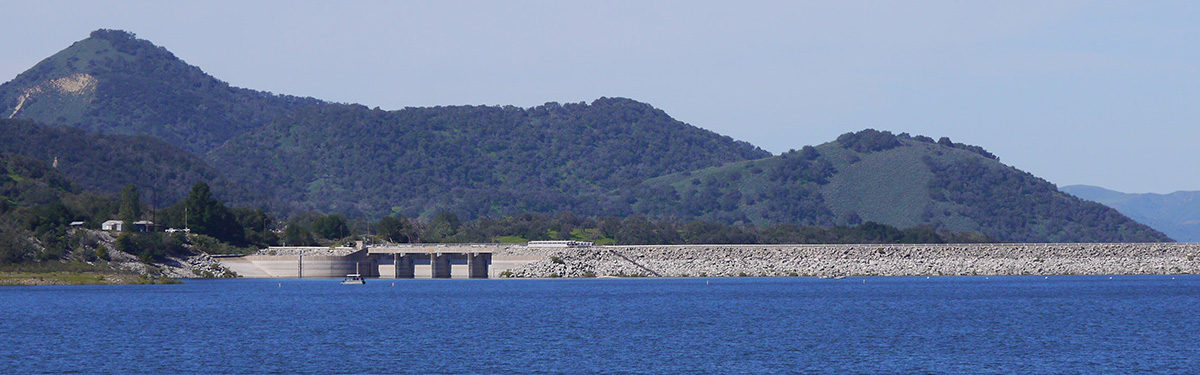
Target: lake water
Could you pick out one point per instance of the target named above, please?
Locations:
(1077, 324)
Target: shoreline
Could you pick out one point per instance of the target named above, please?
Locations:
(78, 278)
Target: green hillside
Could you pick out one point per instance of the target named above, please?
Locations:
(106, 163)
(36, 206)
(50, 227)
(474, 161)
(896, 180)
(1176, 214)
(114, 83)
(130, 112)
(295, 154)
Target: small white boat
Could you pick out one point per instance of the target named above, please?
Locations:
(354, 278)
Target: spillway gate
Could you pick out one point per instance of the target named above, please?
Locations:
(432, 261)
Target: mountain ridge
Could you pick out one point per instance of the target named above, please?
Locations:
(941, 184)
(1176, 214)
(139, 88)
(611, 157)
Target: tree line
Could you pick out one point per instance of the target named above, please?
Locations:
(39, 208)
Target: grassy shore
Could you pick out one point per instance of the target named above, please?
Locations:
(78, 278)
(73, 273)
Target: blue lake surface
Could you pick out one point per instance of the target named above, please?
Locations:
(951, 325)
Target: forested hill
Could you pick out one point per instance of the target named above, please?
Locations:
(106, 163)
(113, 82)
(305, 154)
(898, 180)
(1176, 214)
(611, 157)
(475, 161)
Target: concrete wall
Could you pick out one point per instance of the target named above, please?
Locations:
(243, 267)
(292, 266)
(381, 266)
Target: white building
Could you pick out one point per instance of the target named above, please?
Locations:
(113, 225)
(143, 226)
(119, 226)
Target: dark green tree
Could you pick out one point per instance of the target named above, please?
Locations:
(442, 227)
(637, 230)
(297, 235)
(398, 230)
(206, 215)
(14, 246)
(131, 207)
(257, 225)
(331, 227)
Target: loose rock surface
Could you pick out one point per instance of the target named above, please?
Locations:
(200, 265)
(864, 260)
(196, 264)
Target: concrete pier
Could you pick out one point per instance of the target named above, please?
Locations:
(444, 265)
(438, 261)
(440, 265)
(404, 266)
(477, 265)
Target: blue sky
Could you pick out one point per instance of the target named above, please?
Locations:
(1101, 93)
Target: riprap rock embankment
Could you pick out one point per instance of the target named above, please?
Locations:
(865, 260)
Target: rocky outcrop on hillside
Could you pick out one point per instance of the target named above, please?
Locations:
(193, 264)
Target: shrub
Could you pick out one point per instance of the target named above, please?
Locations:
(124, 243)
(869, 140)
(102, 252)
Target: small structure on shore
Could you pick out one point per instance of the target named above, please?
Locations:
(119, 226)
(113, 225)
(143, 226)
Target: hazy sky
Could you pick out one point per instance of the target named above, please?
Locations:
(1101, 93)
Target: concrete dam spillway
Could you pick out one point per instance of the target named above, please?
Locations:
(541, 260)
(440, 261)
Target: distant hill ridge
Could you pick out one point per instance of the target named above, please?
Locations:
(1176, 214)
(610, 157)
(130, 86)
(476, 161)
(898, 180)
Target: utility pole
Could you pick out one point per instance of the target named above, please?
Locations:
(154, 207)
